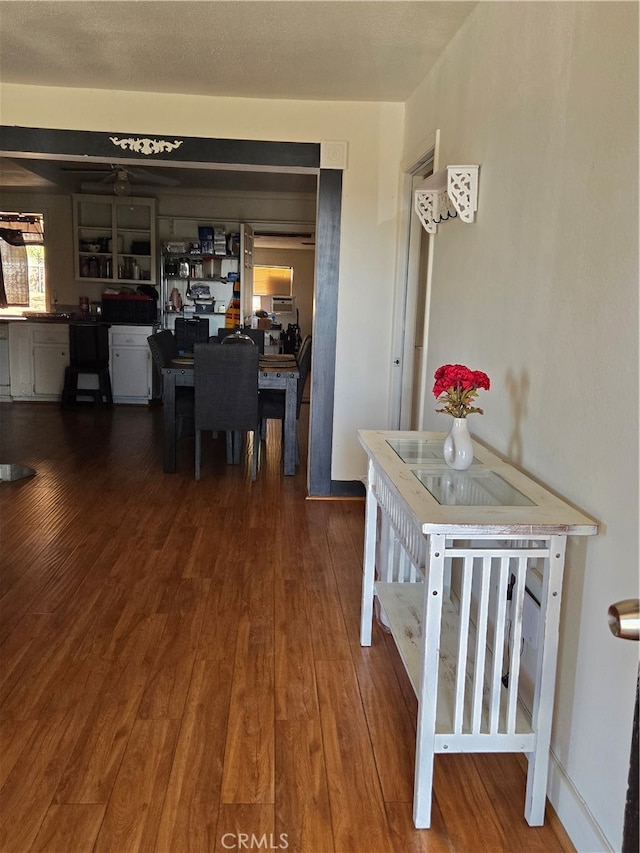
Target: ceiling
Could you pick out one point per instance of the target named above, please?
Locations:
(314, 50)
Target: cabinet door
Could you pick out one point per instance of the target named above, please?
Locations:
(49, 362)
(131, 374)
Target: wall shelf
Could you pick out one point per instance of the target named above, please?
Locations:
(448, 193)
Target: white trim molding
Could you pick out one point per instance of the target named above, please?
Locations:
(451, 192)
(333, 155)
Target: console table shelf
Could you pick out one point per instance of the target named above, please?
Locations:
(452, 558)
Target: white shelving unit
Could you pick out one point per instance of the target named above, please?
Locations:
(186, 265)
(450, 556)
(115, 239)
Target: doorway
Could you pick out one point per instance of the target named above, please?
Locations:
(243, 155)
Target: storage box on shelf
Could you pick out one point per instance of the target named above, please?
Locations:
(114, 239)
(128, 308)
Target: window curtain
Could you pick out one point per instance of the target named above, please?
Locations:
(14, 269)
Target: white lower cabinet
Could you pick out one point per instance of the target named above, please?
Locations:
(130, 364)
(38, 355)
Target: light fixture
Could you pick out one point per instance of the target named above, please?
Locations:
(451, 192)
(122, 185)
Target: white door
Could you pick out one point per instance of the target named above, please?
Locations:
(411, 305)
(246, 273)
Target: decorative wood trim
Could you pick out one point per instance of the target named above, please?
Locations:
(324, 330)
(333, 155)
(29, 140)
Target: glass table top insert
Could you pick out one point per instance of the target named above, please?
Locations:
(470, 488)
(416, 451)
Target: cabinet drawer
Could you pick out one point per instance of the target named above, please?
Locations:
(51, 334)
(130, 337)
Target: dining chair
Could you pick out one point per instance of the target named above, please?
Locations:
(273, 401)
(190, 332)
(226, 398)
(88, 354)
(164, 346)
(256, 335)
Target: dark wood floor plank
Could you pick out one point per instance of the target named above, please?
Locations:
(248, 775)
(172, 661)
(389, 723)
(92, 768)
(190, 811)
(357, 806)
(70, 827)
(135, 806)
(247, 826)
(295, 684)
(29, 788)
(303, 813)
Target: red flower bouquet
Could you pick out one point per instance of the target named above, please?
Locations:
(456, 387)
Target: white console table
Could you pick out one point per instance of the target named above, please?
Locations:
(451, 557)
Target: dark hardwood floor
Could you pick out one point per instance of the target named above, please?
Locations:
(181, 669)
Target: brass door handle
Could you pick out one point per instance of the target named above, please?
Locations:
(624, 619)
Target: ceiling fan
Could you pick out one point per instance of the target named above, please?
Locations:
(123, 178)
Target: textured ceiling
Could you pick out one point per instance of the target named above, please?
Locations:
(339, 50)
(314, 50)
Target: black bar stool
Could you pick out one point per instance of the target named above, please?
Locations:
(88, 354)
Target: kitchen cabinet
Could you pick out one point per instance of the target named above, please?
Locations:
(115, 239)
(38, 355)
(130, 364)
(199, 277)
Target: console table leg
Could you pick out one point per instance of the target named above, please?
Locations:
(428, 692)
(368, 569)
(538, 771)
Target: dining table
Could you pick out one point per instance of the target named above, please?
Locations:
(275, 372)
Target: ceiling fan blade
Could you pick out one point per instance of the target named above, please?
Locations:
(143, 176)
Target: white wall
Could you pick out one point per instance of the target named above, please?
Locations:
(541, 293)
(374, 136)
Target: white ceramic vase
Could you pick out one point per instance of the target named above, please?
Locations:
(458, 447)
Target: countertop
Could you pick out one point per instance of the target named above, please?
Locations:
(61, 318)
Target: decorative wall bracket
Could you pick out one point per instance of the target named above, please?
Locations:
(451, 192)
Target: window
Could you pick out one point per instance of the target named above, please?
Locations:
(272, 281)
(22, 270)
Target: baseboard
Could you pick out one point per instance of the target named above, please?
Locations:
(347, 489)
(573, 813)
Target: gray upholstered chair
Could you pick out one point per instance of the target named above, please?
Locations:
(164, 347)
(226, 398)
(273, 400)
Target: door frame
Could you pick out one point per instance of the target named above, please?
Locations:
(406, 296)
(252, 155)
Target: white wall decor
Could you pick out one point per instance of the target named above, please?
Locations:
(451, 192)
